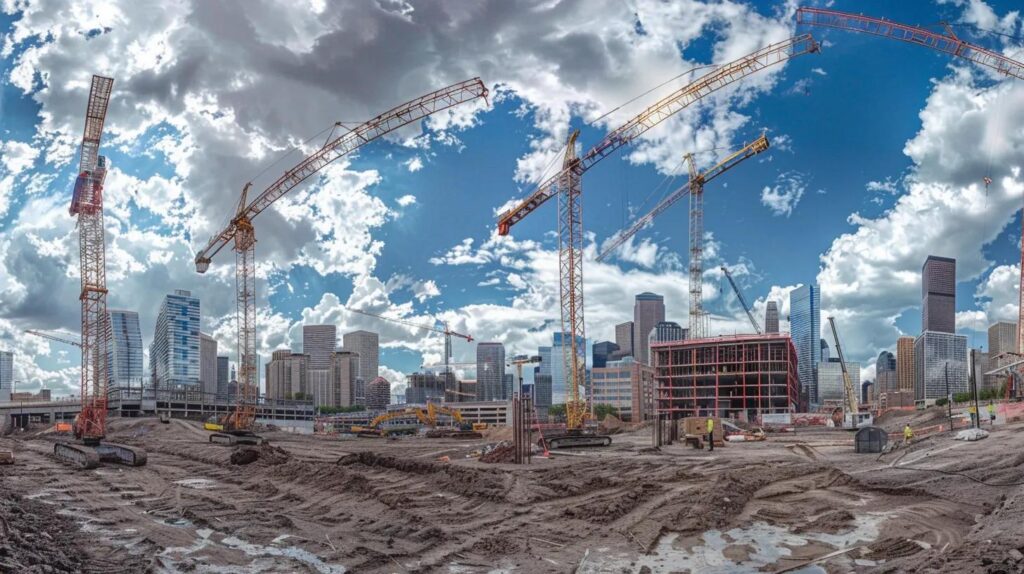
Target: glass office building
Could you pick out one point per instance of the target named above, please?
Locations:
(805, 328)
(124, 351)
(174, 354)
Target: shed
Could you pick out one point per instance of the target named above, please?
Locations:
(870, 439)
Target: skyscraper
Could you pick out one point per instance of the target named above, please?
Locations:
(624, 337)
(648, 311)
(222, 377)
(1002, 338)
(805, 327)
(542, 378)
(940, 364)
(662, 332)
(886, 379)
(490, 371)
(208, 366)
(559, 379)
(378, 394)
(905, 364)
(124, 350)
(831, 387)
(345, 372)
(320, 343)
(6, 375)
(287, 375)
(367, 345)
(938, 294)
(771, 317)
(601, 352)
(174, 354)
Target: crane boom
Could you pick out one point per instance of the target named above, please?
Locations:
(755, 147)
(66, 338)
(739, 295)
(383, 124)
(716, 79)
(947, 43)
(444, 331)
(852, 399)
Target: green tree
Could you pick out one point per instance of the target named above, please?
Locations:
(556, 410)
(601, 410)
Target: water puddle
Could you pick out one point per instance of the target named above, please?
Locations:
(268, 558)
(745, 550)
(197, 483)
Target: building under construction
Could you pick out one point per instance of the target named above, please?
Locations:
(741, 376)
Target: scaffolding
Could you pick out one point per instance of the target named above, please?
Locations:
(741, 376)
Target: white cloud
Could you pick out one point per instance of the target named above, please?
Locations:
(406, 200)
(17, 156)
(819, 71)
(414, 164)
(783, 197)
(887, 186)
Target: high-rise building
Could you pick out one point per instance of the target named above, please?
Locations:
(345, 371)
(320, 343)
(174, 354)
(648, 311)
(208, 366)
(1002, 338)
(542, 379)
(980, 366)
(771, 317)
(624, 337)
(663, 332)
(602, 351)
(6, 375)
(508, 385)
(831, 387)
(905, 364)
(378, 394)
(825, 354)
(367, 345)
(805, 329)
(886, 379)
(490, 371)
(940, 365)
(223, 377)
(627, 386)
(559, 379)
(867, 392)
(938, 294)
(425, 386)
(124, 350)
(287, 376)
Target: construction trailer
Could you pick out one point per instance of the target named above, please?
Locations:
(739, 377)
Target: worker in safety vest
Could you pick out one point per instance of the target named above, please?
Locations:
(991, 413)
(907, 434)
(711, 433)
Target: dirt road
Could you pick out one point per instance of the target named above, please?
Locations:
(313, 504)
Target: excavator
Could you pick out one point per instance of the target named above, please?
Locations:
(233, 429)
(428, 417)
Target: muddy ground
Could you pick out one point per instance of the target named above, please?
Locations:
(801, 502)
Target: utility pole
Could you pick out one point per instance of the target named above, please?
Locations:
(974, 389)
(949, 399)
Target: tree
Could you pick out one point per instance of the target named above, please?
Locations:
(556, 411)
(602, 410)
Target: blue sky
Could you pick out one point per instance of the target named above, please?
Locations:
(879, 150)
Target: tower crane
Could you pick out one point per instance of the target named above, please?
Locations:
(567, 185)
(87, 205)
(739, 295)
(241, 233)
(694, 188)
(948, 42)
(60, 337)
(445, 330)
(852, 418)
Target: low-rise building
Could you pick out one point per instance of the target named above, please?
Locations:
(627, 386)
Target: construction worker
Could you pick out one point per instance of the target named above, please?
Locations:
(991, 413)
(711, 434)
(908, 434)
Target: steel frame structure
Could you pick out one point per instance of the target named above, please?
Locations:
(697, 377)
(87, 204)
(241, 232)
(947, 43)
(570, 273)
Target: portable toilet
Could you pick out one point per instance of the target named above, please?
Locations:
(870, 439)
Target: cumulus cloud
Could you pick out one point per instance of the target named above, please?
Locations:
(406, 200)
(783, 197)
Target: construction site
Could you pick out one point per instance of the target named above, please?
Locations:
(728, 463)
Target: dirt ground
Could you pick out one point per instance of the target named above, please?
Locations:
(799, 502)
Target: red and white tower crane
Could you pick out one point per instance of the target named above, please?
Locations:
(241, 234)
(567, 185)
(87, 205)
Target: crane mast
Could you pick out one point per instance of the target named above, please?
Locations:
(739, 295)
(241, 233)
(87, 204)
(852, 402)
(570, 266)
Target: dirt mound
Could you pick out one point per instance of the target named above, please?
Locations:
(831, 522)
(611, 424)
(504, 451)
(271, 455)
(34, 538)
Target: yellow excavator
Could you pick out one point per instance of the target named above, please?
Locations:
(425, 417)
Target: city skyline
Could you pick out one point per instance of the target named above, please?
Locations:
(388, 254)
